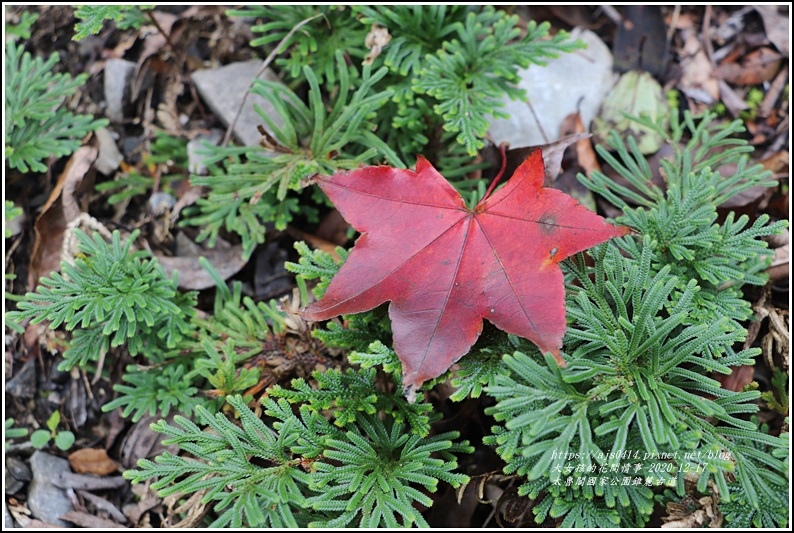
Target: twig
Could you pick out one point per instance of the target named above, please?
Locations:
(613, 14)
(773, 93)
(705, 35)
(266, 64)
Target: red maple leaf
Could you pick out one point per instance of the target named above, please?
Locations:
(445, 267)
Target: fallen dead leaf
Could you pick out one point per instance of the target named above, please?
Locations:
(88, 520)
(732, 101)
(92, 461)
(143, 443)
(552, 156)
(377, 38)
(776, 25)
(57, 212)
(153, 42)
(757, 67)
(697, 79)
(585, 155)
(737, 380)
(227, 261)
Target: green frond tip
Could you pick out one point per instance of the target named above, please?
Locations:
(307, 472)
(110, 296)
(92, 18)
(470, 74)
(38, 126)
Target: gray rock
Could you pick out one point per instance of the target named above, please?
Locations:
(17, 475)
(118, 77)
(46, 501)
(224, 88)
(195, 157)
(109, 157)
(554, 91)
(23, 384)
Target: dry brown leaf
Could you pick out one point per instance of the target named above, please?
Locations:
(376, 39)
(585, 154)
(732, 101)
(780, 269)
(227, 261)
(60, 208)
(153, 43)
(88, 520)
(552, 156)
(697, 79)
(92, 461)
(143, 443)
(757, 67)
(738, 379)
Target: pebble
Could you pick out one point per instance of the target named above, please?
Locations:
(224, 88)
(118, 76)
(23, 384)
(577, 80)
(17, 475)
(46, 501)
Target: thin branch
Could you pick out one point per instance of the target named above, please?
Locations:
(266, 64)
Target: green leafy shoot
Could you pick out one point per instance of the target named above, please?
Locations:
(93, 17)
(37, 124)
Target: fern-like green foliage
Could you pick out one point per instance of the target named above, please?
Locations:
(331, 29)
(146, 391)
(451, 67)
(38, 125)
(353, 393)
(382, 465)
(92, 17)
(115, 297)
(682, 220)
(111, 292)
(635, 383)
(11, 212)
(22, 29)
(306, 471)
(471, 74)
(311, 140)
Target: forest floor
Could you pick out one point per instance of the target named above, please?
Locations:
(725, 59)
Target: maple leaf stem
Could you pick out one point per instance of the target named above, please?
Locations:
(495, 182)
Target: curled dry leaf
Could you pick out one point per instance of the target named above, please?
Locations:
(552, 155)
(58, 211)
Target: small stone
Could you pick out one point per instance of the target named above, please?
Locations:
(17, 475)
(195, 157)
(46, 501)
(23, 384)
(160, 202)
(575, 81)
(118, 77)
(109, 157)
(224, 88)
